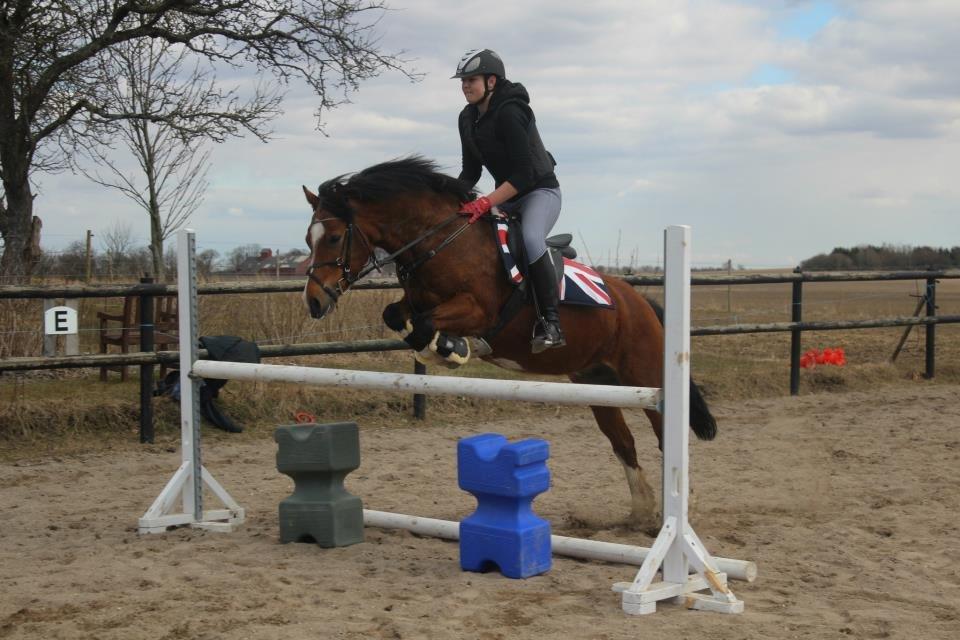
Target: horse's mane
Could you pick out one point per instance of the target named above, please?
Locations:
(388, 180)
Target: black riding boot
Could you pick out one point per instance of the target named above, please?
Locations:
(546, 333)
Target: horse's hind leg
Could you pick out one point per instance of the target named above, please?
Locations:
(643, 502)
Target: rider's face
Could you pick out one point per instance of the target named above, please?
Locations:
(473, 89)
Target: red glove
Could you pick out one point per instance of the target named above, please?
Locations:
(476, 208)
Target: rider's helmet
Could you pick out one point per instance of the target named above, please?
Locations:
(480, 62)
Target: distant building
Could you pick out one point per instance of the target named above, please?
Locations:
(294, 263)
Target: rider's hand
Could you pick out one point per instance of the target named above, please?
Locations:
(476, 208)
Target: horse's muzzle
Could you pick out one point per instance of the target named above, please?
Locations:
(320, 309)
(317, 310)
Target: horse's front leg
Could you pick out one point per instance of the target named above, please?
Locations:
(441, 330)
(398, 316)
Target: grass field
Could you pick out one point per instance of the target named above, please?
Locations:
(57, 410)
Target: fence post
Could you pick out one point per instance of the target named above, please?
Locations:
(71, 341)
(49, 340)
(931, 328)
(146, 370)
(796, 315)
(419, 399)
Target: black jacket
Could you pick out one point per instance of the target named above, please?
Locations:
(505, 140)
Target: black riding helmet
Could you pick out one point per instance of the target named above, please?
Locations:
(478, 62)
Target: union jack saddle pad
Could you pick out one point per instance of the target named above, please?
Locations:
(580, 284)
(584, 286)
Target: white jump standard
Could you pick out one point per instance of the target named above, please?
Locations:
(188, 481)
(687, 568)
(677, 548)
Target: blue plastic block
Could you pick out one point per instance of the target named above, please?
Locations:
(504, 531)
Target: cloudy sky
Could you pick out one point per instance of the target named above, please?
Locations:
(778, 129)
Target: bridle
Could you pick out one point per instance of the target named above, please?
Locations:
(343, 261)
(404, 272)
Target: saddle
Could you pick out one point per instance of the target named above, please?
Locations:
(585, 285)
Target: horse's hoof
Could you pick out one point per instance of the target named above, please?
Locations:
(479, 347)
(427, 357)
(647, 522)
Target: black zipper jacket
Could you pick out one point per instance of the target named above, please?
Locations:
(505, 140)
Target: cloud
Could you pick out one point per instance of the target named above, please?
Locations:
(640, 185)
(776, 128)
(823, 110)
(881, 198)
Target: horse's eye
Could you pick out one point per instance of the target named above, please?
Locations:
(334, 239)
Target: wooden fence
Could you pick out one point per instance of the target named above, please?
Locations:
(147, 358)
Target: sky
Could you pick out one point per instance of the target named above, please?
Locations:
(777, 129)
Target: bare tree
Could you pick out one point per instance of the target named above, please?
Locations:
(54, 96)
(72, 261)
(237, 256)
(206, 260)
(117, 243)
(150, 78)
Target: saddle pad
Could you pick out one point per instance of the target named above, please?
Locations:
(580, 284)
(583, 286)
(509, 261)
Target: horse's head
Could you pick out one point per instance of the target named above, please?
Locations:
(338, 249)
(409, 192)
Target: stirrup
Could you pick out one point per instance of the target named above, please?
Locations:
(543, 340)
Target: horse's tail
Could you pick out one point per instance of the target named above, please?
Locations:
(701, 420)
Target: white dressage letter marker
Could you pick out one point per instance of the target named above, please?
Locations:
(60, 321)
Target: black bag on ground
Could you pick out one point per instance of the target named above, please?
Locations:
(224, 349)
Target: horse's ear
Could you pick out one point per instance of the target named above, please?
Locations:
(312, 198)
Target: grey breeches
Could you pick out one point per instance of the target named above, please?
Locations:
(538, 211)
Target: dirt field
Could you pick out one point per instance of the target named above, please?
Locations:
(847, 502)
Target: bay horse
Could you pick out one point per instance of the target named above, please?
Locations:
(455, 285)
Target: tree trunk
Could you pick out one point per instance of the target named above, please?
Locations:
(156, 244)
(148, 150)
(21, 231)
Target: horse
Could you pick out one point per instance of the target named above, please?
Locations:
(455, 285)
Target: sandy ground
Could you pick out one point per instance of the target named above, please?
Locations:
(848, 503)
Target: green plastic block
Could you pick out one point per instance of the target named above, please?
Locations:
(318, 457)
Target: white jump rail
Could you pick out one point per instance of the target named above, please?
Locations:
(678, 554)
(522, 390)
(560, 545)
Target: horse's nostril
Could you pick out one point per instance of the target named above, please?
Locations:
(316, 311)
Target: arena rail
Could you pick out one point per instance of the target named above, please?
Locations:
(677, 553)
(146, 357)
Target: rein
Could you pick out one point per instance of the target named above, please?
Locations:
(404, 272)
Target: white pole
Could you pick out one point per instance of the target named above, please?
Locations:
(562, 545)
(189, 387)
(524, 390)
(676, 397)
(187, 484)
(677, 547)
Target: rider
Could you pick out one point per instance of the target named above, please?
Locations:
(498, 131)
